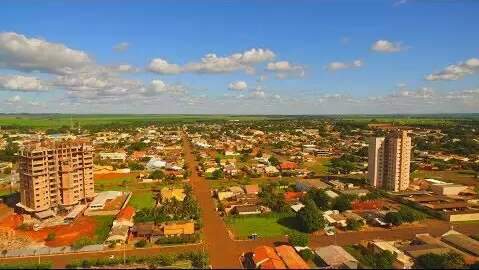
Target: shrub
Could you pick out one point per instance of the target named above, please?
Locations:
(298, 239)
(83, 241)
(306, 254)
(141, 243)
(51, 236)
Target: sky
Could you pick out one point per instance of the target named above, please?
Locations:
(239, 57)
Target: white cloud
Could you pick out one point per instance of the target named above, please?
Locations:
(457, 71)
(33, 54)
(238, 86)
(284, 68)
(335, 66)
(162, 66)
(22, 83)
(258, 94)
(158, 87)
(121, 47)
(386, 46)
(400, 2)
(211, 63)
(14, 99)
(124, 68)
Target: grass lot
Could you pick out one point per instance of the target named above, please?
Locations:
(265, 225)
(225, 183)
(319, 166)
(464, 177)
(103, 226)
(143, 194)
(142, 199)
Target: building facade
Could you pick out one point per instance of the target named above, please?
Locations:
(55, 175)
(389, 161)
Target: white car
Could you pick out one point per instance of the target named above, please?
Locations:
(330, 231)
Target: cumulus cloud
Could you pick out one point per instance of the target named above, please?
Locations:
(22, 84)
(457, 71)
(211, 63)
(162, 66)
(335, 66)
(238, 86)
(14, 99)
(121, 47)
(34, 54)
(283, 69)
(386, 46)
(158, 87)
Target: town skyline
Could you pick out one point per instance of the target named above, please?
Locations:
(306, 58)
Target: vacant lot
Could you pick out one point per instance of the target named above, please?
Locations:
(460, 177)
(265, 225)
(319, 166)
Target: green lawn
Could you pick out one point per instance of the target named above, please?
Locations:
(103, 226)
(265, 225)
(142, 199)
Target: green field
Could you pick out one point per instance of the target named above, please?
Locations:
(265, 225)
(61, 120)
(464, 177)
(103, 226)
(319, 166)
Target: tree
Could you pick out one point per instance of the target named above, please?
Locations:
(141, 243)
(273, 161)
(157, 174)
(271, 196)
(320, 197)
(354, 224)
(310, 217)
(410, 215)
(298, 239)
(384, 259)
(217, 174)
(342, 203)
(451, 260)
(393, 217)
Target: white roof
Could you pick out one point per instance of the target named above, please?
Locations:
(104, 196)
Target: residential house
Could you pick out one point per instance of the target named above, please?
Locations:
(336, 257)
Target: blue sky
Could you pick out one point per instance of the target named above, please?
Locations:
(270, 57)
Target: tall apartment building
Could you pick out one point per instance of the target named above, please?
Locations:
(55, 175)
(389, 161)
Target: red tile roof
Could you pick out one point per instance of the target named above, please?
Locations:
(291, 196)
(126, 213)
(288, 165)
(291, 258)
(266, 258)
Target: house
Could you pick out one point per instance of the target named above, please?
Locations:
(461, 242)
(281, 257)
(336, 257)
(402, 260)
(252, 189)
(292, 196)
(271, 171)
(125, 216)
(247, 210)
(120, 229)
(170, 193)
(307, 184)
(178, 228)
(113, 156)
(223, 195)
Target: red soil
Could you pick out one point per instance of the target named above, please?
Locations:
(64, 234)
(11, 221)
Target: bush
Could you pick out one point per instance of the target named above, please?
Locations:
(298, 239)
(310, 217)
(83, 241)
(141, 243)
(354, 224)
(393, 217)
(178, 239)
(306, 254)
(51, 236)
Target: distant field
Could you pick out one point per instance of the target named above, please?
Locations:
(57, 121)
(91, 120)
(319, 166)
